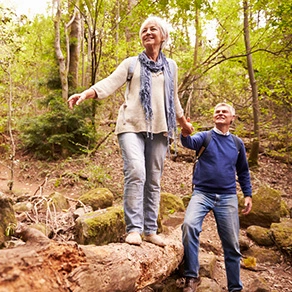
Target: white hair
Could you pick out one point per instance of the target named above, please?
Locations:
(231, 108)
(161, 24)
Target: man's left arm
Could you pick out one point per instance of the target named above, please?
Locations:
(243, 175)
(247, 205)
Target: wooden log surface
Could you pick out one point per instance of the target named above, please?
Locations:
(41, 264)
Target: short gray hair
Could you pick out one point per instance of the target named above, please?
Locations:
(161, 24)
(231, 108)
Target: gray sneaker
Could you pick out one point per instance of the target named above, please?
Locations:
(133, 238)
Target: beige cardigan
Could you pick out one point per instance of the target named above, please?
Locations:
(131, 116)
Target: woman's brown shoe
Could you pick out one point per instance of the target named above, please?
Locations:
(192, 284)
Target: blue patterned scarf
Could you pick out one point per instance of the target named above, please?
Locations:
(148, 66)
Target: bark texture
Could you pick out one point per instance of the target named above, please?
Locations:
(75, 40)
(63, 71)
(41, 264)
(253, 159)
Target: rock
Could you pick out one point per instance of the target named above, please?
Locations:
(266, 208)
(42, 228)
(100, 227)
(284, 209)
(99, 198)
(169, 204)
(263, 255)
(23, 207)
(207, 265)
(176, 282)
(81, 211)
(260, 235)
(186, 199)
(171, 212)
(282, 235)
(57, 202)
(208, 285)
(243, 243)
(259, 285)
(7, 218)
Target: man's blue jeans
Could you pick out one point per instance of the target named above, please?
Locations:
(143, 165)
(225, 209)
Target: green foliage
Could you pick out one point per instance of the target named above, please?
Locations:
(96, 175)
(111, 32)
(10, 229)
(58, 131)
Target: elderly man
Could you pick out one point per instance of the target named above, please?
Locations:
(214, 183)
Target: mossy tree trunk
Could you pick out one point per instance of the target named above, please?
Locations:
(253, 158)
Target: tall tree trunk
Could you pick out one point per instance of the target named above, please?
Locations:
(96, 42)
(253, 158)
(95, 50)
(61, 59)
(10, 109)
(75, 34)
(129, 37)
(198, 32)
(83, 54)
(192, 92)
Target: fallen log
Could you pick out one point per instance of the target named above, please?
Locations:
(41, 264)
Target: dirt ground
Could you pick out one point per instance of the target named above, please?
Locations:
(31, 177)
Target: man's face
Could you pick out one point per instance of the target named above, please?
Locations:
(222, 116)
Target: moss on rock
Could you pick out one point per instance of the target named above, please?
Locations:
(170, 204)
(99, 198)
(58, 202)
(282, 235)
(7, 218)
(266, 208)
(101, 227)
(260, 235)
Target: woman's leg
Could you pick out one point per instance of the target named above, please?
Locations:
(133, 148)
(155, 153)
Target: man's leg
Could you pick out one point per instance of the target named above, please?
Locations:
(226, 215)
(199, 205)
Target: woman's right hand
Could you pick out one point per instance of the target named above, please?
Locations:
(77, 98)
(187, 129)
(74, 99)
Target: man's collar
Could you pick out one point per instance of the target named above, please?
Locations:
(221, 133)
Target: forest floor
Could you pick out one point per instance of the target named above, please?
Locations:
(72, 178)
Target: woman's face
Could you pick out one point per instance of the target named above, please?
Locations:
(151, 36)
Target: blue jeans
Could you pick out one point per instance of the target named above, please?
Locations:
(143, 165)
(225, 209)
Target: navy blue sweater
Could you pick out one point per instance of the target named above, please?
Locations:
(218, 166)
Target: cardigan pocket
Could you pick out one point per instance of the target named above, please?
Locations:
(122, 112)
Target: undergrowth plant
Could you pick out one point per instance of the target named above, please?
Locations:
(58, 132)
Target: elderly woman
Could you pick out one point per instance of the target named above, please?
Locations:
(145, 125)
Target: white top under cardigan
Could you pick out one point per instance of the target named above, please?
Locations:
(131, 116)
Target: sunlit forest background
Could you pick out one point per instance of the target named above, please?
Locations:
(239, 52)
